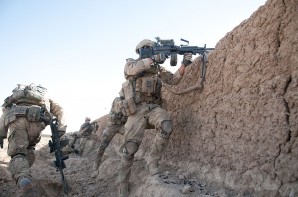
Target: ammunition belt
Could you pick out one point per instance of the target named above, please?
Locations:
(32, 113)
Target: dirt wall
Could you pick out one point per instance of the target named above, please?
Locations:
(241, 130)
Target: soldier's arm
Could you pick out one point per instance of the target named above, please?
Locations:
(170, 78)
(133, 67)
(58, 112)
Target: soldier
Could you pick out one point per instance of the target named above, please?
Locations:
(142, 105)
(25, 114)
(116, 121)
(86, 132)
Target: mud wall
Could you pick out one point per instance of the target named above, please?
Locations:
(241, 130)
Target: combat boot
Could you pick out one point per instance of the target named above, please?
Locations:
(123, 189)
(26, 188)
(153, 168)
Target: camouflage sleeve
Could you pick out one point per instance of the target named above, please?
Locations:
(169, 78)
(3, 128)
(133, 67)
(58, 112)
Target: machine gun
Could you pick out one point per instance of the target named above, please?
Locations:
(55, 146)
(171, 50)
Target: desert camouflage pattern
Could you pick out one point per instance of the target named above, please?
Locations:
(87, 132)
(144, 83)
(145, 42)
(116, 121)
(135, 67)
(24, 134)
(3, 128)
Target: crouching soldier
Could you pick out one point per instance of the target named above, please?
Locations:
(116, 122)
(86, 132)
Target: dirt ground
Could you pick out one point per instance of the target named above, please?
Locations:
(172, 182)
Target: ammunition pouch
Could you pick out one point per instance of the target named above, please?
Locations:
(148, 89)
(141, 89)
(148, 85)
(128, 107)
(32, 113)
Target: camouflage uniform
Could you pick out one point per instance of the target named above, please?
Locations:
(85, 133)
(142, 105)
(27, 112)
(116, 121)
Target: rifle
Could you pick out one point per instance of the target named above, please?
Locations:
(169, 48)
(55, 146)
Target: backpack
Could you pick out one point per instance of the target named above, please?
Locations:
(26, 93)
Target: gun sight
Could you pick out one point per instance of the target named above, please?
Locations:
(161, 42)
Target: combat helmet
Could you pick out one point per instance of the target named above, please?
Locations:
(87, 119)
(145, 42)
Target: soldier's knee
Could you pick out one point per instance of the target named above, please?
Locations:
(166, 128)
(129, 150)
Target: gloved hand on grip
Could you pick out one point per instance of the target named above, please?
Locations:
(159, 58)
(187, 59)
(1, 141)
(61, 130)
(60, 133)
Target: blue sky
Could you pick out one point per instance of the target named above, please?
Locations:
(77, 49)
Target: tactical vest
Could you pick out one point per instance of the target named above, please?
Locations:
(146, 88)
(86, 129)
(27, 101)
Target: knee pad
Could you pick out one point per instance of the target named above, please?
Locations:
(129, 150)
(166, 128)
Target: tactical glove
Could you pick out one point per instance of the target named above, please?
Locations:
(159, 58)
(187, 59)
(61, 130)
(61, 133)
(1, 141)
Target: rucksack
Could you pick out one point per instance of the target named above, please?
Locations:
(26, 93)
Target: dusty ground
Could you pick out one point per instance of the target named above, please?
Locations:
(170, 183)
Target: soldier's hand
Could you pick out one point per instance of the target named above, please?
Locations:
(60, 133)
(159, 58)
(187, 59)
(1, 141)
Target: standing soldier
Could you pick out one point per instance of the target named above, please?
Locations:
(116, 121)
(25, 114)
(142, 105)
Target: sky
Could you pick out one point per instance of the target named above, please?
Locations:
(77, 49)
